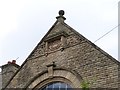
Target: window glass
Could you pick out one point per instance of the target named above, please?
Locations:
(57, 86)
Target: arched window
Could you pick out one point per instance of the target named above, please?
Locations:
(57, 86)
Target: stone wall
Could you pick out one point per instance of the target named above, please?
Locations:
(72, 52)
(83, 58)
(7, 73)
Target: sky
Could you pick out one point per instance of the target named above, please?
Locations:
(23, 23)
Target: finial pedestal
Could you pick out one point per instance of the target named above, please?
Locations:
(61, 18)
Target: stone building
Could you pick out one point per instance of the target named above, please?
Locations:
(63, 59)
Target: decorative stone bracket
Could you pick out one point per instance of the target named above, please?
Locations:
(50, 69)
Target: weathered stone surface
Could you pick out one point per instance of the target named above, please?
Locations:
(7, 73)
(78, 55)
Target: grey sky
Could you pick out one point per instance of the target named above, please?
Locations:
(24, 22)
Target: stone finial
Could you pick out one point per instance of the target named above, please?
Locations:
(61, 18)
(61, 12)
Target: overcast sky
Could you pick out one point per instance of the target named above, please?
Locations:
(24, 22)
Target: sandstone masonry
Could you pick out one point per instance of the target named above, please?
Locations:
(64, 55)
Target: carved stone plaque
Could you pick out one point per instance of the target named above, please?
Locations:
(54, 45)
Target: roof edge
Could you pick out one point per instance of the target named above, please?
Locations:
(31, 53)
(95, 46)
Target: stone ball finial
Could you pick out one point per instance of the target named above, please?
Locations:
(61, 12)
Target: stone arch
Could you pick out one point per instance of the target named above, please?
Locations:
(60, 74)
